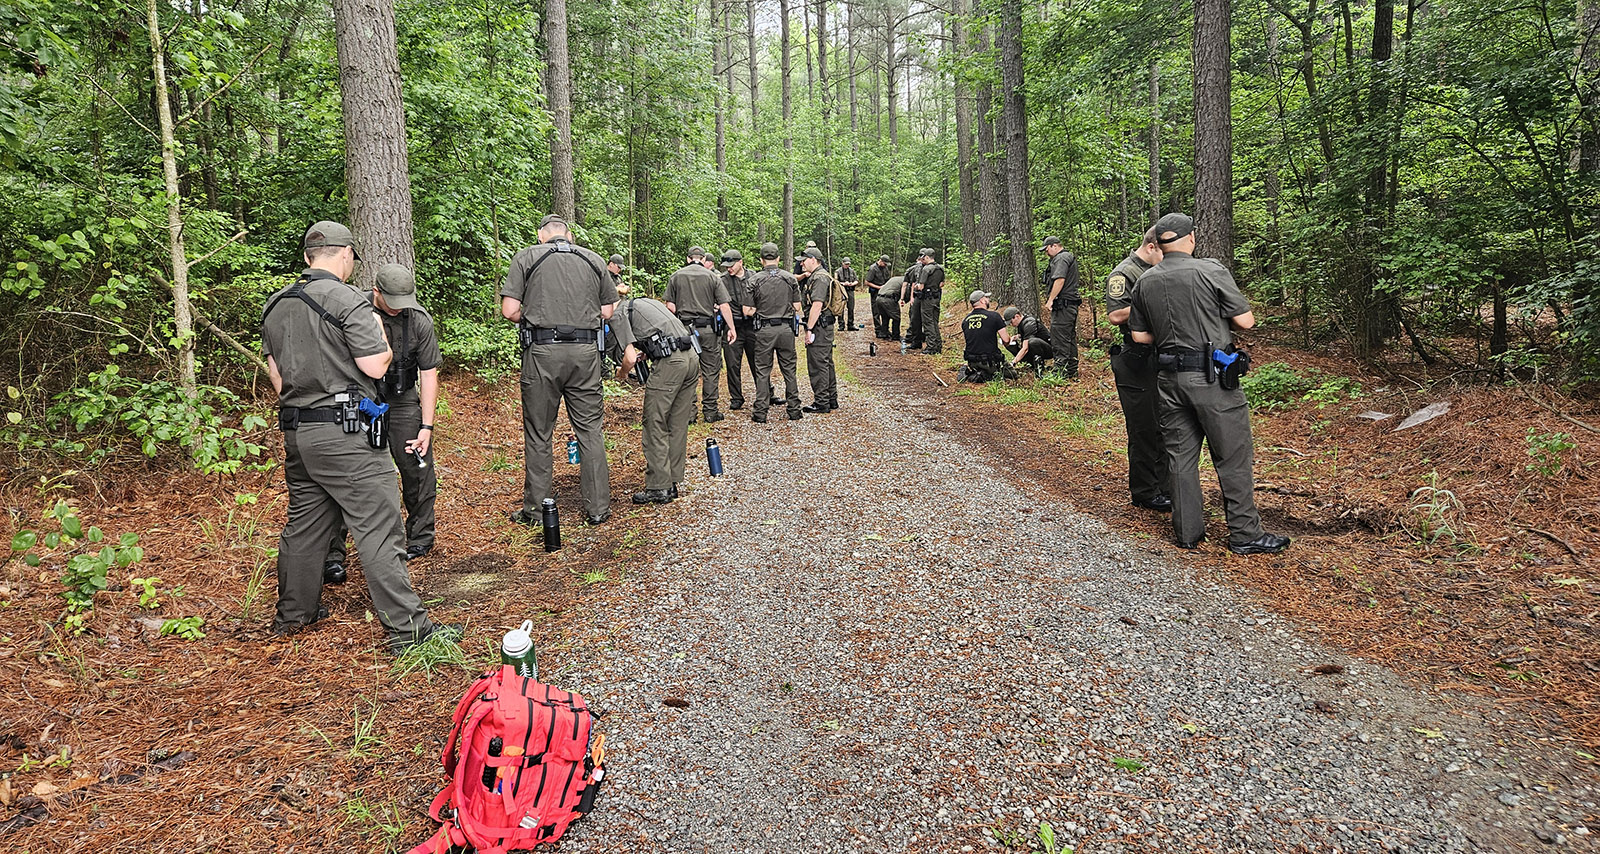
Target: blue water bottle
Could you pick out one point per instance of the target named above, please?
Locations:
(714, 457)
(572, 450)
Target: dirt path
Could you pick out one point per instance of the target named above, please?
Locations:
(895, 646)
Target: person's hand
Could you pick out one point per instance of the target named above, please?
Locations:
(420, 445)
(811, 337)
(620, 373)
(732, 336)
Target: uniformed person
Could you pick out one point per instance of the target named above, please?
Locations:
(560, 297)
(913, 336)
(699, 298)
(772, 301)
(709, 262)
(1134, 367)
(1184, 307)
(614, 267)
(981, 331)
(879, 273)
(1063, 299)
(1027, 338)
(846, 277)
(325, 346)
(800, 274)
(743, 345)
(826, 300)
(886, 308)
(926, 291)
(411, 388)
(643, 328)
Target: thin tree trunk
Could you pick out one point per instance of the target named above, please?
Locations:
(559, 70)
(1155, 141)
(1213, 131)
(1014, 120)
(890, 63)
(827, 119)
(788, 136)
(722, 131)
(376, 170)
(755, 78)
(182, 312)
(965, 179)
(855, 136)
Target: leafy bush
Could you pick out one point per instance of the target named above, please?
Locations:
(1274, 385)
(487, 349)
(84, 574)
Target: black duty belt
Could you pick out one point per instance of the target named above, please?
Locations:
(291, 417)
(827, 317)
(762, 322)
(1181, 361)
(564, 335)
(696, 320)
(929, 293)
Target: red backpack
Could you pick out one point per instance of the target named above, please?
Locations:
(524, 770)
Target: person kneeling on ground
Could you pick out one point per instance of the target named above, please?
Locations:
(1027, 339)
(982, 328)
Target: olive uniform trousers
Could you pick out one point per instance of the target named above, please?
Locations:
(552, 373)
(744, 346)
(1191, 410)
(334, 480)
(1134, 367)
(776, 341)
(1064, 335)
(419, 486)
(886, 317)
(819, 363)
(710, 362)
(668, 406)
(929, 319)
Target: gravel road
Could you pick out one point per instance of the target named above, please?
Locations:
(896, 648)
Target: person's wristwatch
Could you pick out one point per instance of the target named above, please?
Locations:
(426, 427)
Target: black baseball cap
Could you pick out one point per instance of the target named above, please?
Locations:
(769, 250)
(550, 218)
(1181, 226)
(1049, 242)
(813, 252)
(732, 256)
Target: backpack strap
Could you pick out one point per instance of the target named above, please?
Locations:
(298, 291)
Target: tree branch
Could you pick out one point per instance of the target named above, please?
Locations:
(225, 244)
(213, 96)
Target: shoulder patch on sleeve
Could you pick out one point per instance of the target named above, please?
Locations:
(1117, 286)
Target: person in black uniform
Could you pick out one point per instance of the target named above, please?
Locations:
(1027, 339)
(1063, 298)
(743, 345)
(1184, 308)
(878, 275)
(981, 329)
(1134, 367)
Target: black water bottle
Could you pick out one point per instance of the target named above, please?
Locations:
(552, 525)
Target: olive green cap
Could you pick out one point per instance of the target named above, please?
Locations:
(731, 257)
(697, 252)
(398, 286)
(1049, 242)
(769, 250)
(1181, 226)
(813, 252)
(616, 259)
(329, 233)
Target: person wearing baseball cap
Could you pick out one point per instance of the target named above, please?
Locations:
(614, 267)
(878, 273)
(926, 290)
(742, 349)
(1187, 309)
(700, 299)
(1027, 339)
(1134, 366)
(981, 329)
(846, 277)
(1061, 286)
(773, 306)
(325, 347)
(825, 302)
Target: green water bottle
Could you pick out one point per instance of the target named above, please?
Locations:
(516, 649)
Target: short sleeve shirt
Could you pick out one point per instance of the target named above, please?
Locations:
(773, 292)
(566, 289)
(1063, 266)
(414, 341)
(846, 276)
(891, 289)
(696, 291)
(820, 289)
(877, 274)
(1186, 302)
(736, 286)
(932, 277)
(315, 358)
(639, 318)
(982, 329)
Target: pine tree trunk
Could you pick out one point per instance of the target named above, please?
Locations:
(891, 62)
(827, 119)
(182, 311)
(558, 69)
(1213, 131)
(376, 171)
(965, 179)
(855, 136)
(717, 61)
(1155, 141)
(788, 137)
(1588, 88)
(1014, 120)
(755, 77)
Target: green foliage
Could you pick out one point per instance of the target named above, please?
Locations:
(1435, 512)
(1047, 840)
(1132, 766)
(187, 628)
(488, 349)
(1273, 385)
(87, 558)
(1549, 451)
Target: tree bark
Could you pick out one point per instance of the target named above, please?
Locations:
(1014, 119)
(182, 311)
(855, 135)
(1588, 88)
(965, 179)
(755, 77)
(1155, 141)
(991, 191)
(721, 144)
(1213, 131)
(827, 120)
(890, 63)
(788, 137)
(376, 171)
(558, 68)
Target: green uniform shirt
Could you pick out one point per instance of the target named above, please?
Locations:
(1121, 285)
(892, 288)
(773, 293)
(932, 277)
(567, 289)
(1186, 302)
(737, 288)
(1063, 266)
(696, 291)
(846, 276)
(914, 273)
(637, 319)
(877, 273)
(414, 341)
(316, 359)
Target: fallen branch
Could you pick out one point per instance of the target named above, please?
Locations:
(1591, 428)
(1552, 538)
(253, 356)
(937, 377)
(225, 244)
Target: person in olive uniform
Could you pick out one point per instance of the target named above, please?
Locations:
(1134, 367)
(1063, 298)
(560, 297)
(846, 276)
(886, 308)
(927, 290)
(324, 343)
(913, 336)
(614, 267)
(1184, 307)
(411, 388)
(800, 274)
(826, 300)
(743, 344)
(698, 297)
(981, 330)
(878, 273)
(1026, 338)
(646, 329)
(772, 301)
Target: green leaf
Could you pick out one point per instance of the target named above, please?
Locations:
(31, 559)
(72, 527)
(96, 535)
(23, 540)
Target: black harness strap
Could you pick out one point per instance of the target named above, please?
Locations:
(298, 291)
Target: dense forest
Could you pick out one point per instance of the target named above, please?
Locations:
(1413, 182)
